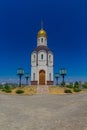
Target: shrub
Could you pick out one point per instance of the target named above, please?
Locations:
(67, 91)
(1, 86)
(68, 86)
(71, 84)
(85, 85)
(76, 85)
(63, 84)
(76, 90)
(19, 91)
(7, 86)
(7, 89)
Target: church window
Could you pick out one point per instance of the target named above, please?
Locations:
(34, 57)
(42, 57)
(49, 57)
(33, 76)
(41, 39)
(49, 76)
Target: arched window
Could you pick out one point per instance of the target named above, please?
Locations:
(41, 39)
(41, 56)
(33, 76)
(49, 57)
(49, 76)
(34, 57)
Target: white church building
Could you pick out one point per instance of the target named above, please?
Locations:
(42, 61)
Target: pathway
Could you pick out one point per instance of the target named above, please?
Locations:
(43, 112)
(42, 89)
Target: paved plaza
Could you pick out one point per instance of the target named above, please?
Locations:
(43, 112)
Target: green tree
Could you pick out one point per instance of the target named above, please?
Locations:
(76, 85)
(1, 86)
(85, 85)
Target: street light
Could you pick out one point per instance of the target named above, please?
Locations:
(20, 73)
(63, 73)
(57, 76)
(27, 77)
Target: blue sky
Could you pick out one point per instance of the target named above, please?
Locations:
(65, 23)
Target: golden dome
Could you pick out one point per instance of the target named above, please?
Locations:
(42, 33)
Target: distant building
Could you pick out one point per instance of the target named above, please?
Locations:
(42, 61)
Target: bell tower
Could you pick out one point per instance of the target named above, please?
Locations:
(42, 37)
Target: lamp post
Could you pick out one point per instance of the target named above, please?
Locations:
(63, 73)
(20, 73)
(27, 77)
(57, 76)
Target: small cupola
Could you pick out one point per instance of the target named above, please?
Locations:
(42, 33)
(42, 37)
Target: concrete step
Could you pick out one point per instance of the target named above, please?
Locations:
(42, 89)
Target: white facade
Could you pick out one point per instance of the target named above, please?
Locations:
(42, 62)
(42, 41)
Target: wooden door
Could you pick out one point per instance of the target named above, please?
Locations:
(42, 77)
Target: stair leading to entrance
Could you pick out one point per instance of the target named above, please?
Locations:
(42, 89)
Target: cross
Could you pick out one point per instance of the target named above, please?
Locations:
(41, 24)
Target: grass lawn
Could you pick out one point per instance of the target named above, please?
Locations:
(56, 90)
(60, 90)
(30, 90)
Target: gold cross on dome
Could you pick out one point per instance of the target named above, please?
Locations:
(41, 24)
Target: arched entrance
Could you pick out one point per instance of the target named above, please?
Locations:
(42, 77)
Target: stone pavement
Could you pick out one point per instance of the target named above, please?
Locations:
(42, 89)
(43, 112)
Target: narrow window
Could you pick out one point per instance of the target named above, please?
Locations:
(41, 39)
(49, 57)
(42, 57)
(49, 76)
(33, 76)
(34, 57)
